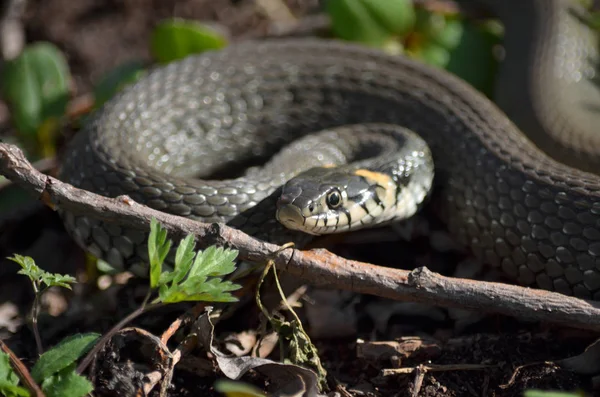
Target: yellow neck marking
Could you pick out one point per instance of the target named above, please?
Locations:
(379, 178)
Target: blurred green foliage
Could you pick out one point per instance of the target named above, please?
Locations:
(231, 388)
(176, 39)
(36, 88)
(371, 22)
(36, 84)
(541, 393)
(442, 40)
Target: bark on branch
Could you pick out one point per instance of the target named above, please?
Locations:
(318, 267)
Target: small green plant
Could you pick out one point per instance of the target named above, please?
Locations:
(196, 276)
(54, 370)
(41, 280)
(299, 349)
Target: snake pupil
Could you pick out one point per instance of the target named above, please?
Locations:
(334, 199)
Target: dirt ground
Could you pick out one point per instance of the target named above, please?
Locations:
(98, 35)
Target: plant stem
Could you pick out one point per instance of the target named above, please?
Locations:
(35, 310)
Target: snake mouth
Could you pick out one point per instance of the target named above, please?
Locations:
(290, 216)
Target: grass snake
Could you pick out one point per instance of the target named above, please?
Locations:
(529, 212)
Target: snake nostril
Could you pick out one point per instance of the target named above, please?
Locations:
(288, 195)
(285, 199)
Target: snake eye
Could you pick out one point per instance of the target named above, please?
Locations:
(334, 199)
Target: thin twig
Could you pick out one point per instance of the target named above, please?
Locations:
(189, 315)
(436, 368)
(318, 267)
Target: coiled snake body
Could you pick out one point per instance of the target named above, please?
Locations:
(517, 208)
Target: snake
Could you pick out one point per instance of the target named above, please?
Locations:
(287, 138)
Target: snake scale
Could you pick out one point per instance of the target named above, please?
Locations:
(529, 211)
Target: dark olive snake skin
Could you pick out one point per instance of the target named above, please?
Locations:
(514, 206)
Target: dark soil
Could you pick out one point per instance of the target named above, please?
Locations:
(98, 35)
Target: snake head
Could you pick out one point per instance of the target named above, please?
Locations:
(331, 200)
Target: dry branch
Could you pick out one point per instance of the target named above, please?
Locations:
(318, 267)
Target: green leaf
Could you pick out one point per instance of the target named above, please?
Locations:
(66, 383)
(175, 295)
(213, 290)
(450, 35)
(172, 294)
(36, 86)
(371, 22)
(214, 261)
(183, 261)
(31, 270)
(7, 375)
(189, 281)
(237, 389)
(58, 280)
(62, 355)
(28, 266)
(158, 248)
(440, 29)
(540, 393)
(176, 38)
(217, 289)
(8, 390)
(184, 258)
(396, 16)
(9, 380)
(116, 79)
(350, 20)
(106, 267)
(433, 54)
(213, 285)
